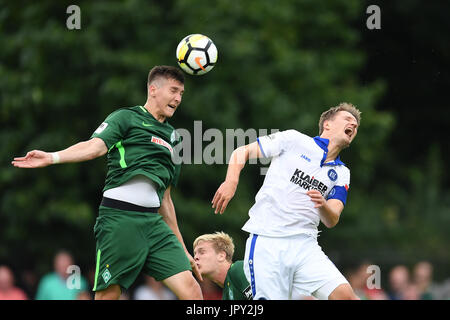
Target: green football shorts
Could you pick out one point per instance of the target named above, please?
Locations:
(128, 242)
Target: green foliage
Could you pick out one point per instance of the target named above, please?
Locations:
(280, 66)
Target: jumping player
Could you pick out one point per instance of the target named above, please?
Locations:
(306, 183)
(130, 234)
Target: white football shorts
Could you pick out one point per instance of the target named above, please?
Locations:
(286, 267)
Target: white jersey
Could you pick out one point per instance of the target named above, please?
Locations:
(282, 207)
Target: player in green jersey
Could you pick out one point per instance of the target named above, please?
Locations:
(130, 234)
(213, 254)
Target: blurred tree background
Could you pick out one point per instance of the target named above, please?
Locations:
(281, 64)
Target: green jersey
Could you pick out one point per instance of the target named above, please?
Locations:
(138, 144)
(236, 286)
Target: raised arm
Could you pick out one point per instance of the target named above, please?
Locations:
(82, 151)
(227, 189)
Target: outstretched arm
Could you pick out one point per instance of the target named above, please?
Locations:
(167, 211)
(82, 151)
(237, 162)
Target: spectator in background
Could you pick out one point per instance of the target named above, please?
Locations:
(411, 292)
(423, 278)
(29, 281)
(359, 280)
(53, 286)
(442, 291)
(399, 282)
(7, 289)
(153, 290)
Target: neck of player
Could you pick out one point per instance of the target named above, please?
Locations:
(219, 277)
(333, 150)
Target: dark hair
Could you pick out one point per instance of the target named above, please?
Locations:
(167, 72)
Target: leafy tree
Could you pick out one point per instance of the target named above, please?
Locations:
(280, 66)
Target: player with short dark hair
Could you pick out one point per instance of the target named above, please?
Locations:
(136, 228)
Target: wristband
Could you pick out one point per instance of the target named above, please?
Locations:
(55, 157)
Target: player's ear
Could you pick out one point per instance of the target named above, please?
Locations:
(152, 90)
(222, 256)
(326, 125)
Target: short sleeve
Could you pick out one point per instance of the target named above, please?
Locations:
(113, 129)
(176, 175)
(176, 140)
(340, 189)
(274, 144)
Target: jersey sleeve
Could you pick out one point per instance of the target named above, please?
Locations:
(177, 142)
(340, 189)
(113, 129)
(176, 175)
(236, 286)
(274, 144)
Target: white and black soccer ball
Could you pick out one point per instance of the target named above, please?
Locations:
(196, 54)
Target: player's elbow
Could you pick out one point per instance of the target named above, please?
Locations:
(331, 225)
(239, 156)
(94, 154)
(331, 222)
(331, 213)
(96, 148)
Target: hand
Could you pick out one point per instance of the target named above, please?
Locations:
(194, 267)
(223, 196)
(33, 159)
(317, 198)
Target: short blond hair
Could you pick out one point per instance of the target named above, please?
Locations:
(221, 242)
(343, 106)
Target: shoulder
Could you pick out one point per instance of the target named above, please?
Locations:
(175, 136)
(236, 269)
(19, 294)
(344, 170)
(289, 133)
(237, 264)
(296, 139)
(169, 127)
(48, 279)
(343, 173)
(286, 135)
(124, 112)
(295, 135)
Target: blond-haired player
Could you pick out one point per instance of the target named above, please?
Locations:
(213, 254)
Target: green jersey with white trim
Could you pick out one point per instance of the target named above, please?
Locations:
(236, 285)
(138, 144)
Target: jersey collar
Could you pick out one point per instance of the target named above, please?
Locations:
(323, 144)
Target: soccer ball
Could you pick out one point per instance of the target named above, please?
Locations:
(196, 54)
